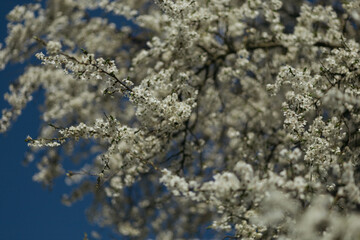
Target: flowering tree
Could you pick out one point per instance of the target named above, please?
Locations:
(240, 116)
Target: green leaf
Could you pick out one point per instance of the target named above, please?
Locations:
(84, 51)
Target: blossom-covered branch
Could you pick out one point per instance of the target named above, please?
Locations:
(237, 116)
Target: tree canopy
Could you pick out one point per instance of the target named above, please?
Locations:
(240, 116)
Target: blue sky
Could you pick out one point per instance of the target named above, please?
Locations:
(28, 211)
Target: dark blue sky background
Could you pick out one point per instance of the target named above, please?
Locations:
(28, 211)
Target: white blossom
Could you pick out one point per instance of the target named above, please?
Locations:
(240, 116)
